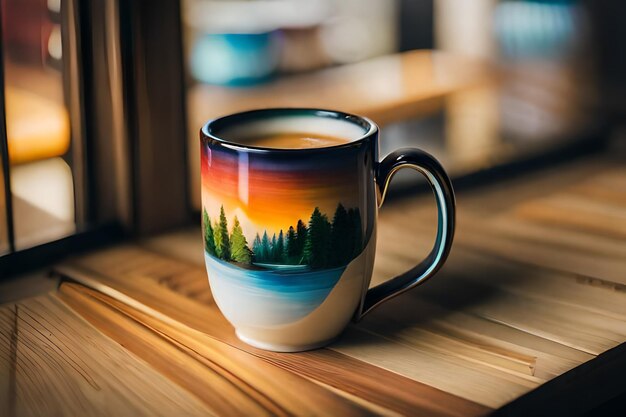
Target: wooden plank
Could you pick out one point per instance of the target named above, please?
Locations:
(606, 190)
(52, 362)
(554, 287)
(551, 320)
(548, 304)
(509, 269)
(597, 259)
(227, 380)
(563, 242)
(462, 379)
(577, 213)
(604, 269)
(375, 385)
(493, 344)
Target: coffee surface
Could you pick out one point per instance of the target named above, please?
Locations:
(296, 141)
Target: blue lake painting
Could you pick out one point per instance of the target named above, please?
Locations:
(286, 292)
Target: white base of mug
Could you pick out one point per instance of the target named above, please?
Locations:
(282, 348)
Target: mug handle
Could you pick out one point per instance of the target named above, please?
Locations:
(440, 183)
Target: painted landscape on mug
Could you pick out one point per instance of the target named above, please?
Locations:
(258, 211)
(283, 231)
(317, 244)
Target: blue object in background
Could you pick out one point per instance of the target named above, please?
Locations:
(537, 28)
(235, 58)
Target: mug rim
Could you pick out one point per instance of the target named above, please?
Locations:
(207, 132)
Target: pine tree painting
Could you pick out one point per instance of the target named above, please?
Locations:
(217, 240)
(320, 244)
(238, 244)
(317, 245)
(279, 249)
(292, 254)
(301, 232)
(256, 247)
(341, 239)
(222, 230)
(266, 249)
(273, 254)
(207, 229)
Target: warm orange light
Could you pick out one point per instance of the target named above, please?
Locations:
(37, 128)
(266, 199)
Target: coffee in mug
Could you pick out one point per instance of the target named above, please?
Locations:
(295, 140)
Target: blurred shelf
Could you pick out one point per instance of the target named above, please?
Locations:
(388, 89)
(385, 89)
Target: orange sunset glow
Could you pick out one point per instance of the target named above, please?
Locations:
(265, 195)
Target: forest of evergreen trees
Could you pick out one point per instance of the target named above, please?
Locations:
(319, 243)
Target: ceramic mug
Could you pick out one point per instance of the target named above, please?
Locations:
(290, 234)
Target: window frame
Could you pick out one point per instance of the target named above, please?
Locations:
(124, 84)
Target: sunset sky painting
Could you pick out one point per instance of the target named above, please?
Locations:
(265, 194)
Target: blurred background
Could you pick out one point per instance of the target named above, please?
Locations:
(103, 100)
(507, 80)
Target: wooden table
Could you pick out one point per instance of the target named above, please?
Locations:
(528, 317)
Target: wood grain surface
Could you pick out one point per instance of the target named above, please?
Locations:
(52, 362)
(525, 298)
(163, 298)
(227, 380)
